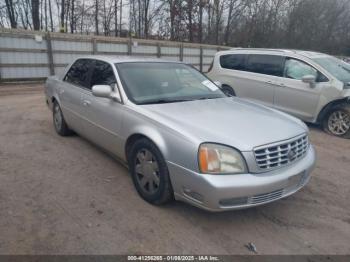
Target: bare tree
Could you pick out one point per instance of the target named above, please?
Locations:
(35, 14)
(11, 13)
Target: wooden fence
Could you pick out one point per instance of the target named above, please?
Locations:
(34, 55)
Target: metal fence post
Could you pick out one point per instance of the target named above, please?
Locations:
(94, 46)
(201, 58)
(49, 54)
(159, 51)
(129, 46)
(181, 52)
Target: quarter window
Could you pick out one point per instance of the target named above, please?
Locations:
(265, 64)
(234, 62)
(78, 74)
(103, 74)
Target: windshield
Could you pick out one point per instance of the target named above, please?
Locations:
(336, 67)
(162, 82)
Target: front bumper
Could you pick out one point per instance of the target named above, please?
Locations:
(228, 192)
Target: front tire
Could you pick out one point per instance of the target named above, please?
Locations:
(59, 123)
(150, 173)
(337, 121)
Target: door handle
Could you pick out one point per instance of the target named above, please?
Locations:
(86, 102)
(61, 91)
(275, 83)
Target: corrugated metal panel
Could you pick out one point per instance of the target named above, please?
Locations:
(69, 45)
(105, 47)
(144, 49)
(191, 60)
(64, 58)
(24, 72)
(59, 70)
(191, 51)
(207, 60)
(170, 50)
(15, 42)
(23, 58)
(209, 51)
(170, 58)
(205, 68)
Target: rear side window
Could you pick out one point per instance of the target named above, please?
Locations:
(265, 64)
(103, 74)
(78, 74)
(234, 62)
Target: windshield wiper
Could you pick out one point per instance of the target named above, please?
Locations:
(165, 101)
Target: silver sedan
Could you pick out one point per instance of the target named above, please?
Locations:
(179, 134)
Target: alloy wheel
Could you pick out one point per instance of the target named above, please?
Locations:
(339, 123)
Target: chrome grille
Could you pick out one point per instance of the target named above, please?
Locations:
(258, 199)
(281, 154)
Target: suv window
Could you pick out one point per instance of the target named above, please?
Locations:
(235, 62)
(265, 64)
(103, 74)
(78, 74)
(296, 69)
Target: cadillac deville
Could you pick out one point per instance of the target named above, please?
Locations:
(180, 135)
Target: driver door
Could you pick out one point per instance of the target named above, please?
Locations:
(104, 115)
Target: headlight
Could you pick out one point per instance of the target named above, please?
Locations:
(218, 159)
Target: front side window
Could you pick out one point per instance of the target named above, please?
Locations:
(265, 64)
(78, 74)
(102, 74)
(296, 69)
(157, 82)
(234, 62)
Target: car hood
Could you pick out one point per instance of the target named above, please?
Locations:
(230, 121)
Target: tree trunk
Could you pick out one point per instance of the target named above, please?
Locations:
(11, 13)
(146, 19)
(46, 22)
(72, 18)
(62, 29)
(189, 12)
(200, 33)
(116, 17)
(96, 17)
(50, 12)
(35, 14)
(120, 17)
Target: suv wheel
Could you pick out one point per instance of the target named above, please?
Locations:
(60, 124)
(149, 172)
(337, 121)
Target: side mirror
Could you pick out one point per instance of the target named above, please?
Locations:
(106, 92)
(309, 79)
(217, 83)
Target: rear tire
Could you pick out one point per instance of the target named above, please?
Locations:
(337, 121)
(59, 123)
(150, 173)
(228, 90)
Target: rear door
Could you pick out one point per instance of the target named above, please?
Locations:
(296, 97)
(252, 76)
(75, 83)
(104, 115)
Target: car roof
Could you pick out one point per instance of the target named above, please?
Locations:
(123, 59)
(308, 54)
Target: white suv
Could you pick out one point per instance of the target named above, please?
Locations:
(314, 87)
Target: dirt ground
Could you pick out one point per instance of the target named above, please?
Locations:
(65, 196)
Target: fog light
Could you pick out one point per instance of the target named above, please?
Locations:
(194, 195)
